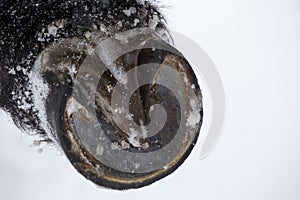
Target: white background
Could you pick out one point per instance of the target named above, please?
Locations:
(255, 44)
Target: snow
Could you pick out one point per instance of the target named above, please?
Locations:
(73, 106)
(115, 146)
(134, 138)
(120, 24)
(95, 28)
(128, 12)
(145, 145)
(52, 30)
(99, 150)
(194, 116)
(88, 35)
(72, 71)
(109, 88)
(135, 22)
(151, 109)
(13, 12)
(103, 28)
(132, 10)
(142, 2)
(18, 68)
(40, 94)
(24, 105)
(125, 145)
(144, 130)
(60, 24)
(119, 74)
(137, 165)
(153, 23)
(12, 71)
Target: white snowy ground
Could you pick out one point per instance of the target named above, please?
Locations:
(255, 45)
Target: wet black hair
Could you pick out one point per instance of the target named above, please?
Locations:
(21, 23)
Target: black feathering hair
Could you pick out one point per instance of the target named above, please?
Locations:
(22, 21)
